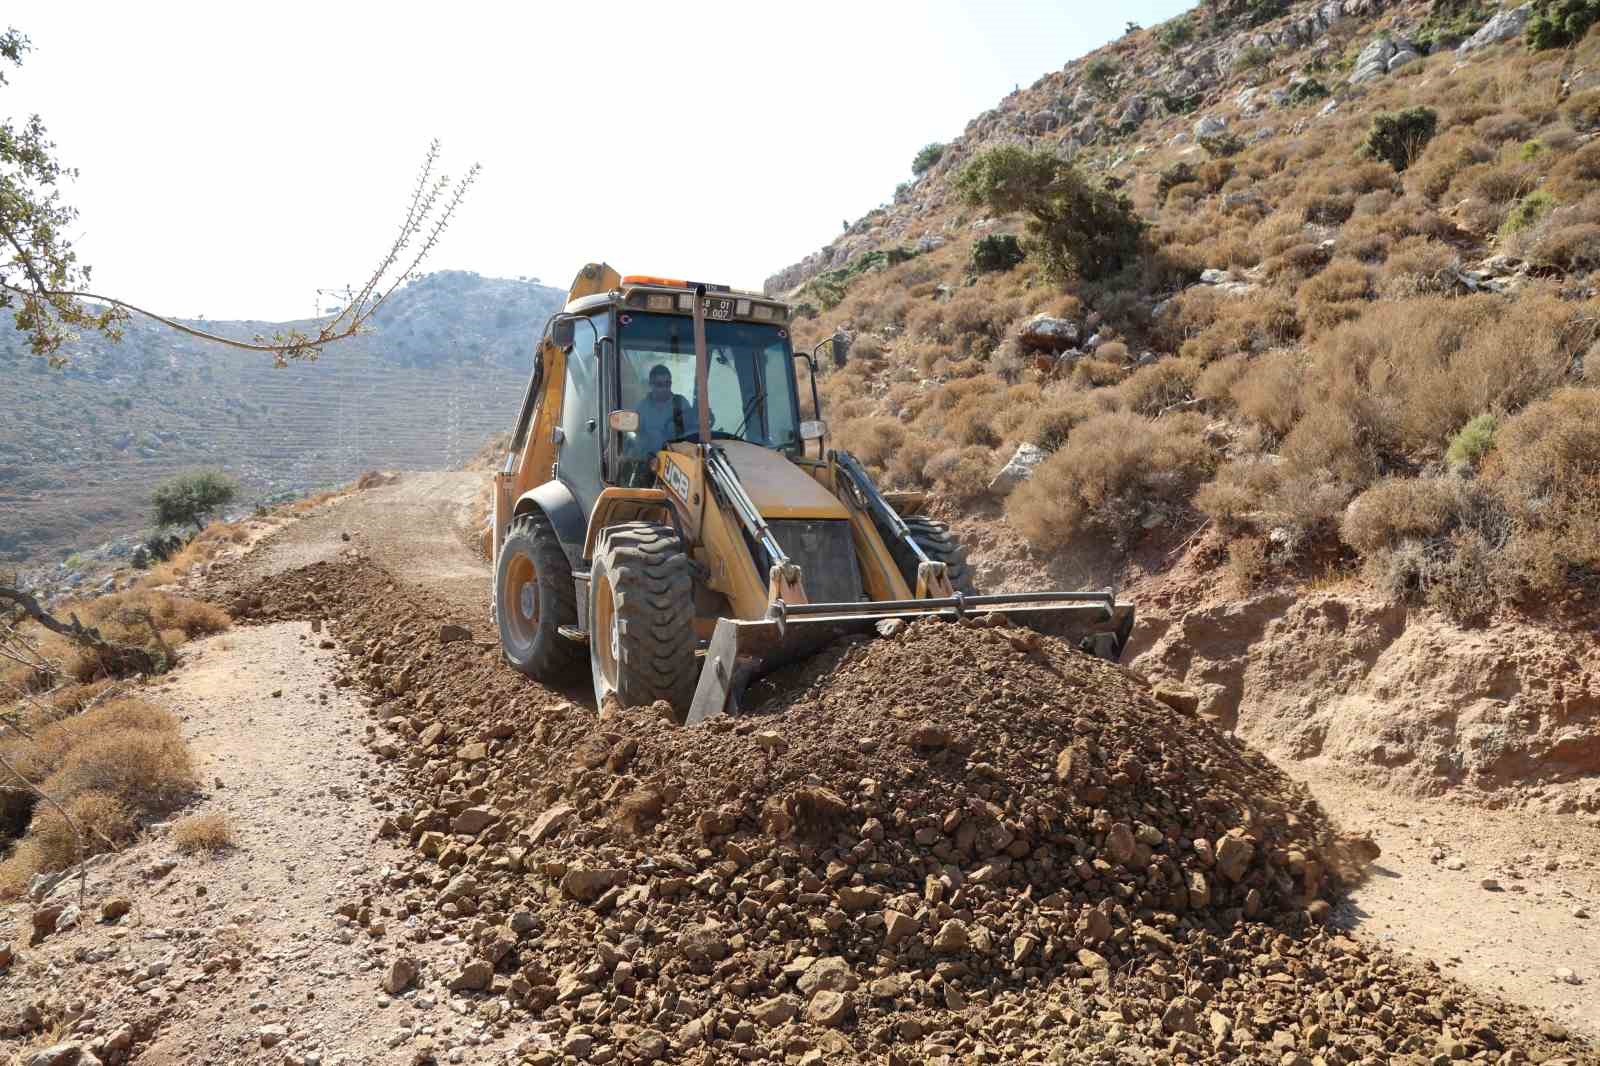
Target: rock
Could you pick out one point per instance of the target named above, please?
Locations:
(588, 885)
(1568, 977)
(71, 1053)
(898, 927)
(1233, 856)
(1209, 126)
(1119, 844)
(1018, 468)
(400, 975)
(577, 1045)
(44, 921)
(474, 820)
(8, 955)
(1199, 891)
(1045, 333)
(703, 943)
(951, 938)
(461, 886)
(475, 976)
(777, 1010)
(1489, 884)
(1216, 276)
(272, 1035)
(114, 908)
(1179, 1016)
(854, 900)
(1373, 62)
(476, 751)
(1405, 54)
(548, 823)
(1503, 27)
(431, 735)
(1092, 960)
(831, 973)
(829, 1009)
(1184, 702)
(449, 634)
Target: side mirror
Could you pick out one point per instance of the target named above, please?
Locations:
(624, 421)
(813, 429)
(840, 348)
(561, 331)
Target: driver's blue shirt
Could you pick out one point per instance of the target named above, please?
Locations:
(660, 422)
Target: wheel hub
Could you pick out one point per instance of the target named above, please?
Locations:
(525, 601)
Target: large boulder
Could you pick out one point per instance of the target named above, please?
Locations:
(1373, 62)
(1209, 126)
(1503, 27)
(1045, 333)
(1018, 469)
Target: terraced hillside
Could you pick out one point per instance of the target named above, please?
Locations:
(80, 449)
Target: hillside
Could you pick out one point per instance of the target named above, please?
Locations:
(443, 367)
(1299, 348)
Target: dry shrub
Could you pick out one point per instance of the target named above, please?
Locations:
(872, 440)
(1253, 323)
(1112, 471)
(1335, 295)
(1577, 175)
(963, 474)
(1451, 152)
(1583, 109)
(1418, 266)
(1050, 425)
(109, 766)
(1397, 509)
(1297, 263)
(909, 466)
(1267, 390)
(1575, 249)
(1163, 384)
(203, 832)
(1545, 471)
(1247, 565)
(1215, 383)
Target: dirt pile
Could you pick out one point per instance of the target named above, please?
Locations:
(963, 842)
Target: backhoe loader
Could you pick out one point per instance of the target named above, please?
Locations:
(665, 512)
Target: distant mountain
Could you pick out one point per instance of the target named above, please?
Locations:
(444, 365)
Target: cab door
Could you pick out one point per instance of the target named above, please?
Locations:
(578, 458)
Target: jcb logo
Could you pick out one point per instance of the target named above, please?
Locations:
(677, 481)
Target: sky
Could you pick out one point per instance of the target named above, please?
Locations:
(234, 159)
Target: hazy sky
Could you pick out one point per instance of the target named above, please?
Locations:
(234, 158)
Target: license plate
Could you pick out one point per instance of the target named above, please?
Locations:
(719, 308)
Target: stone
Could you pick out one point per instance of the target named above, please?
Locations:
(474, 820)
(475, 976)
(1179, 1017)
(1373, 61)
(476, 751)
(1046, 333)
(1119, 844)
(548, 823)
(1405, 54)
(1489, 884)
(400, 975)
(829, 1008)
(71, 1053)
(1092, 960)
(272, 1035)
(951, 938)
(1233, 856)
(1209, 126)
(431, 735)
(831, 973)
(588, 885)
(8, 955)
(777, 1010)
(1018, 468)
(450, 634)
(461, 886)
(44, 921)
(897, 926)
(854, 900)
(1180, 700)
(114, 908)
(1199, 891)
(1503, 27)
(577, 1045)
(703, 943)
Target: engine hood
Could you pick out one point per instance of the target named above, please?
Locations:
(777, 487)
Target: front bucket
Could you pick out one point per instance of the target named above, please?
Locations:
(741, 650)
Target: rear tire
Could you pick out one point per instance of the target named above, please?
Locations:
(641, 618)
(939, 545)
(534, 597)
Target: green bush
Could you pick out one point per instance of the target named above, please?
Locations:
(1179, 173)
(1558, 23)
(1472, 441)
(1305, 91)
(1398, 137)
(1100, 71)
(927, 158)
(1076, 228)
(191, 499)
(1529, 210)
(1251, 57)
(1222, 145)
(1449, 22)
(1174, 34)
(996, 251)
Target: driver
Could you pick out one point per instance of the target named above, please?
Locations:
(663, 414)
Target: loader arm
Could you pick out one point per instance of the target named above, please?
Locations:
(933, 579)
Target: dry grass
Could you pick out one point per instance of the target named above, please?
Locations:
(110, 766)
(203, 832)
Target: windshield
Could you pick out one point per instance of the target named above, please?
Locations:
(750, 380)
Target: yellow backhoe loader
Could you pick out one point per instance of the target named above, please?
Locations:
(665, 512)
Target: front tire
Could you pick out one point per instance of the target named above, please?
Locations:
(939, 545)
(533, 598)
(641, 618)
